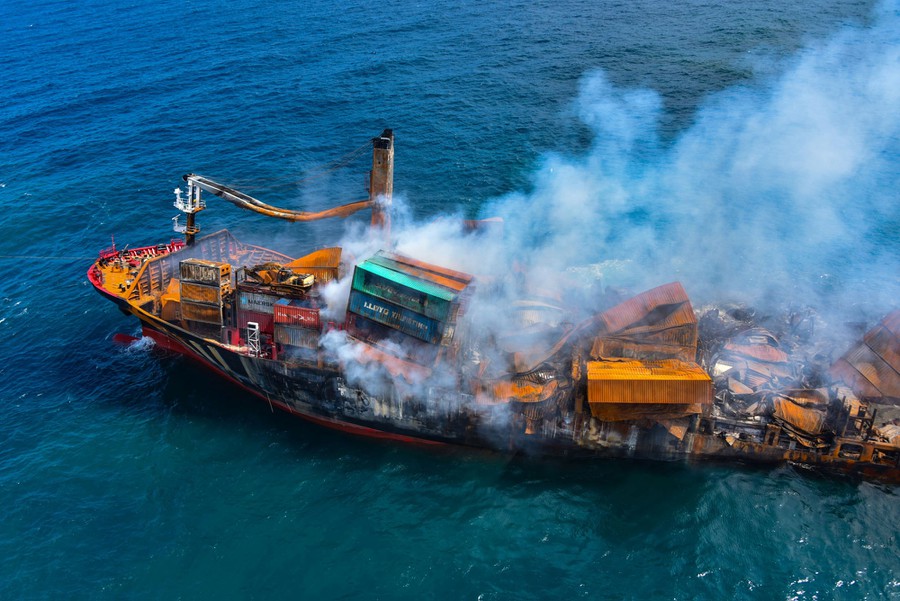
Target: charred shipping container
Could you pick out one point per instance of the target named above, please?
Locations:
(203, 289)
(629, 390)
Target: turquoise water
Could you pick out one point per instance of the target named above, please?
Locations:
(128, 474)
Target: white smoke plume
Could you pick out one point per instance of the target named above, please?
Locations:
(774, 188)
(781, 191)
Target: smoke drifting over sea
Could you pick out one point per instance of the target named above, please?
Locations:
(783, 191)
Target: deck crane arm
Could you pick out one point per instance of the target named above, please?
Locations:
(380, 193)
(246, 201)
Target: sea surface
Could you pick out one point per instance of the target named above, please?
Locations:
(125, 473)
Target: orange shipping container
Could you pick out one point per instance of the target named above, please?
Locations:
(455, 280)
(201, 313)
(630, 383)
(206, 272)
(201, 293)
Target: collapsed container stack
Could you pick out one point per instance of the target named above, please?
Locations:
(203, 288)
(406, 307)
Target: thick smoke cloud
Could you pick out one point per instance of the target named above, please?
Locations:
(787, 189)
(782, 191)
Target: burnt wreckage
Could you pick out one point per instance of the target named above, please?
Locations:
(400, 358)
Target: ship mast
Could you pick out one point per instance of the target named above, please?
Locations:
(381, 188)
(191, 205)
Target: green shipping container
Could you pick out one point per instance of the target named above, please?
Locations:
(425, 298)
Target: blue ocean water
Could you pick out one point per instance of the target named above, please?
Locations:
(128, 474)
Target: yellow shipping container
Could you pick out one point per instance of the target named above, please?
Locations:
(617, 388)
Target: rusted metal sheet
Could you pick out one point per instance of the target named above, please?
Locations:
(873, 368)
(805, 419)
(286, 312)
(760, 352)
(324, 264)
(617, 412)
(663, 306)
(659, 322)
(296, 336)
(885, 344)
(455, 280)
(201, 312)
(677, 428)
(201, 293)
(892, 322)
(204, 272)
(677, 342)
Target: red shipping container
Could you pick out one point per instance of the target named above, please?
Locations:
(265, 321)
(296, 316)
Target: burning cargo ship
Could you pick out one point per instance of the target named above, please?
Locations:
(401, 356)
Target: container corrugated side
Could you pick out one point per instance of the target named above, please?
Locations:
(254, 301)
(399, 344)
(396, 317)
(296, 336)
(664, 306)
(289, 314)
(210, 294)
(421, 297)
(636, 382)
(886, 345)
(201, 312)
(875, 369)
(265, 320)
(204, 272)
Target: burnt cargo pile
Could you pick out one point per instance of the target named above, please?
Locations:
(775, 371)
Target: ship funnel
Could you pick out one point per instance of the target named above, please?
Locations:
(381, 181)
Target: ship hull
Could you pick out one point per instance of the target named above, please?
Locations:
(321, 391)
